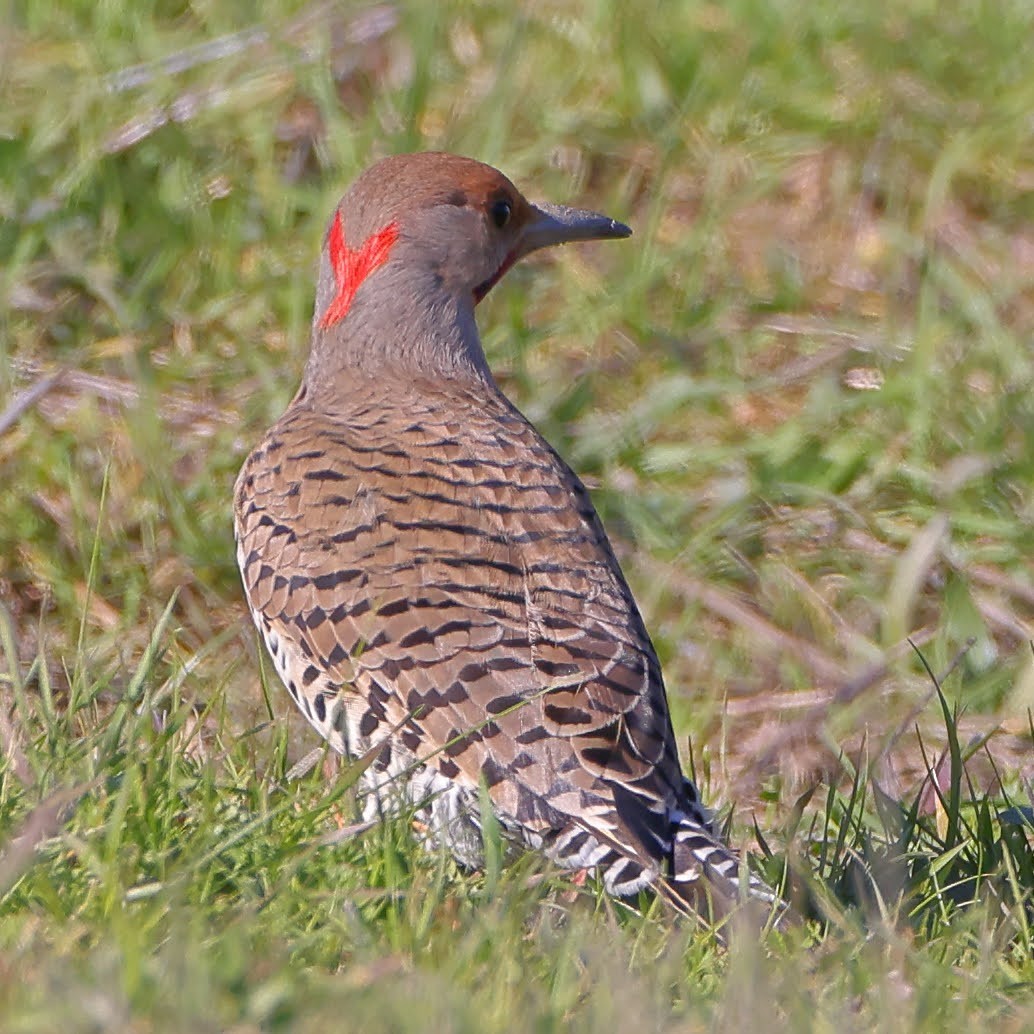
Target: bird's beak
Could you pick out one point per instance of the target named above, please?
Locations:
(557, 224)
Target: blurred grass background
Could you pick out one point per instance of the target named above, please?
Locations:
(803, 394)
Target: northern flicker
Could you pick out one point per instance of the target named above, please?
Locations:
(430, 577)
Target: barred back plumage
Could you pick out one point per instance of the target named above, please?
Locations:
(430, 577)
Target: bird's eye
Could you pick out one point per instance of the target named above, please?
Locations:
(500, 212)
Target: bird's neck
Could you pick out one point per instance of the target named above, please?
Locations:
(400, 323)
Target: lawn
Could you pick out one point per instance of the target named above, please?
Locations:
(803, 396)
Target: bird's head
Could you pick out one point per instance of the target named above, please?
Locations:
(424, 237)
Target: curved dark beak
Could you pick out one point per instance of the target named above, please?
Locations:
(558, 224)
(555, 224)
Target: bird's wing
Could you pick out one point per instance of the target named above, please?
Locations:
(432, 565)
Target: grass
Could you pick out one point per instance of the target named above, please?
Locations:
(802, 393)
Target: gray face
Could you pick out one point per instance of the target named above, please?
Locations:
(459, 244)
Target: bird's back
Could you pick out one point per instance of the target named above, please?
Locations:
(427, 571)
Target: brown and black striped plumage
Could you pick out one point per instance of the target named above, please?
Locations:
(429, 576)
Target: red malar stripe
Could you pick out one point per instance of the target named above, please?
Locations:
(351, 268)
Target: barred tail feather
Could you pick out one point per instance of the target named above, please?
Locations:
(708, 876)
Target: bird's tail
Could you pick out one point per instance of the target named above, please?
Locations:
(709, 878)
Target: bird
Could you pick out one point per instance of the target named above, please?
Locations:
(432, 581)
